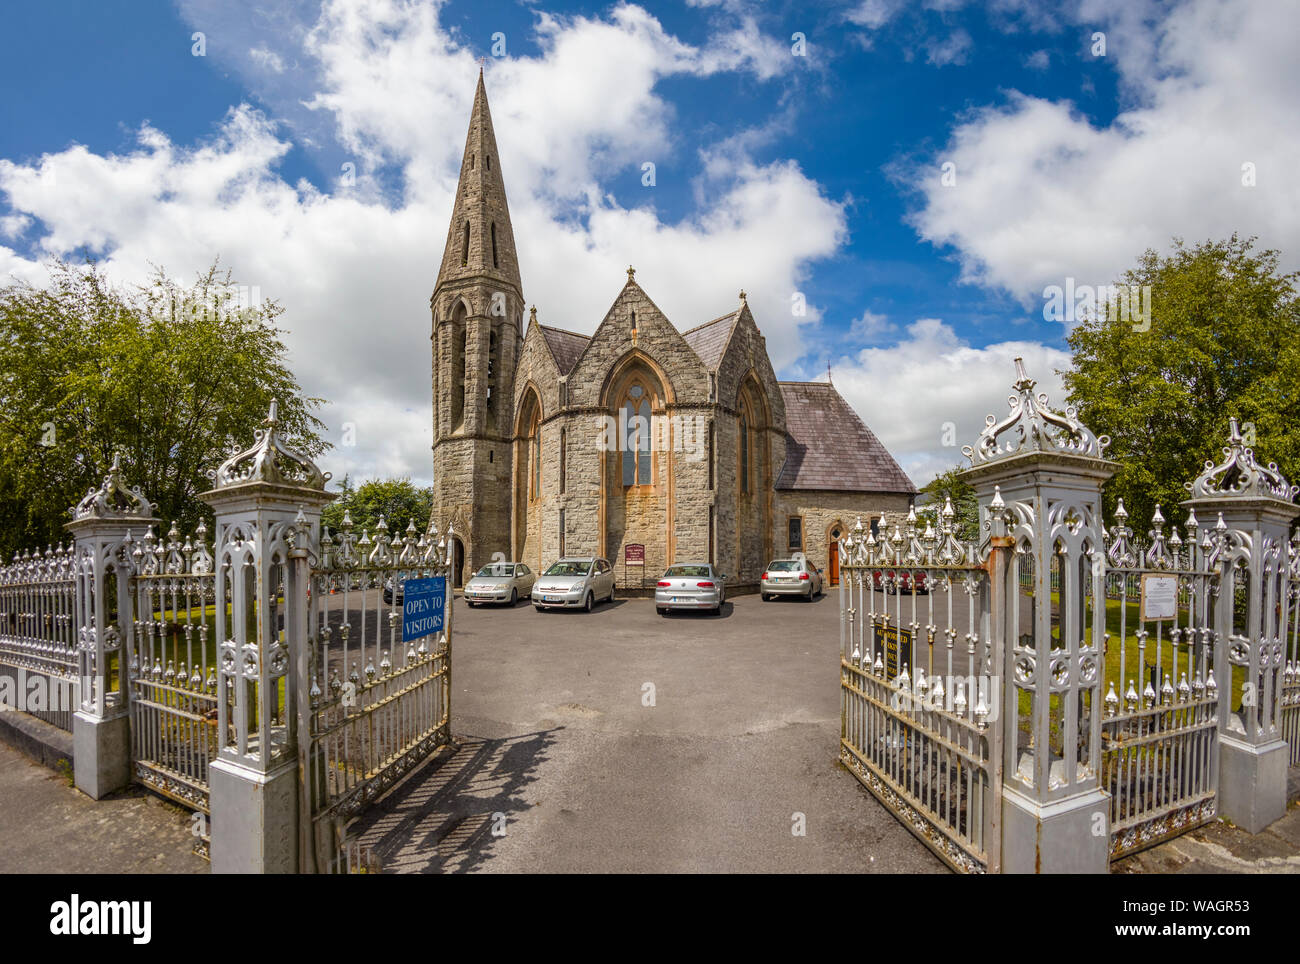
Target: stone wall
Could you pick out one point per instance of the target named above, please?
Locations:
(822, 510)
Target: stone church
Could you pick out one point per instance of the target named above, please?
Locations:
(641, 443)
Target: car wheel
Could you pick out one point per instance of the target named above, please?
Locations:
(514, 598)
(589, 602)
(470, 604)
(662, 610)
(540, 609)
(763, 596)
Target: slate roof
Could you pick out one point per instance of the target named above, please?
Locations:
(566, 346)
(829, 448)
(709, 340)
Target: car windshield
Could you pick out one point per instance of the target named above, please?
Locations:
(687, 572)
(563, 568)
(496, 569)
(784, 565)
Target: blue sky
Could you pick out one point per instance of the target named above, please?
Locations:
(810, 174)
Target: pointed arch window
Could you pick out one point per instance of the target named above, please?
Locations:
(744, 452)
(458, 366)
(710, 457)
(535, 457)
(464, 248)
(634, 414)
(491, 369)
(563, 457)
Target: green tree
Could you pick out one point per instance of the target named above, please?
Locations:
(949, 485)
(1223, 340)
(170, 378)
(398, 501)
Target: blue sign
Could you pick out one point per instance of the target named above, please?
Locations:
(422, 607)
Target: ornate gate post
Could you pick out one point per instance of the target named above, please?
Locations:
(1248, 545)
(257, 498)
(1038, 476)
(102, 524)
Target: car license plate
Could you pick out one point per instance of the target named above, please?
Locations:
(550, 599)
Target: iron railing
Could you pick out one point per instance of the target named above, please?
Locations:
(38, 635)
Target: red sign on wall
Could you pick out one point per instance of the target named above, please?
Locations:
(634, 555)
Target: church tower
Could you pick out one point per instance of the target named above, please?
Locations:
(477, 307)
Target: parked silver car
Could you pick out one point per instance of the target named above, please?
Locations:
(500, 582)
(790, 577)
(695, 585)
(576, 583)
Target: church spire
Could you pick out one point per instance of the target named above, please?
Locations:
(480, 240)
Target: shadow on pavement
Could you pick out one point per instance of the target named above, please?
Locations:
(440, 819)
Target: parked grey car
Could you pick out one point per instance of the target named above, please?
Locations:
(790, 577)
(575, 583)
(500, 582)
(695, 585)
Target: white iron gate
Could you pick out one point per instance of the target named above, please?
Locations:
(1161, 721)
(919, 681)
(378, 706)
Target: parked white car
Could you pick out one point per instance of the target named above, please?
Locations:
(694, 585)
(577, 583)
(500, 582)
(790, 577)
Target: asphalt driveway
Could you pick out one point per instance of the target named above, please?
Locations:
(625, 741)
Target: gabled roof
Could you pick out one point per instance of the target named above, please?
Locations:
(709, 340)
(566, 346)
(830, 448)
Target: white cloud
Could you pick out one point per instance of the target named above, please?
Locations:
(933, 385)
(871, 327)
(873, 14)
(1044, 194)
(954, 49)
(1038, 60)
(13, 226)
(268, 59)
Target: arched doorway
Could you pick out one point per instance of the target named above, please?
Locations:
(457, 562)
(833, 536)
